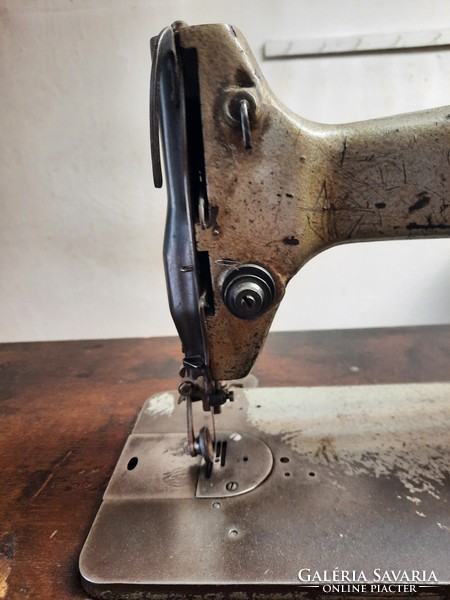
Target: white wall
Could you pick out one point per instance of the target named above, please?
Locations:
(81, 234)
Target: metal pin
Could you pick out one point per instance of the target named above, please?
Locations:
(202, 212)
(213, 426)
(244, 106)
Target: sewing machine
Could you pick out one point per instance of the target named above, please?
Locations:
(225, 487)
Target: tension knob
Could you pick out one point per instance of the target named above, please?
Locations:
(248, 291)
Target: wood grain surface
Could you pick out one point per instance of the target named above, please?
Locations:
(66, 409)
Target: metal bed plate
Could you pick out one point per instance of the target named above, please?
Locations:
(360, 483)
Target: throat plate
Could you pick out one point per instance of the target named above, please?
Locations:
(349, 478)
(241, 463)
(154, 465)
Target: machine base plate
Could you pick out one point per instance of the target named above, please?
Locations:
(351, 486)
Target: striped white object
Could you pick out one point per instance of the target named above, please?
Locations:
(356, 43)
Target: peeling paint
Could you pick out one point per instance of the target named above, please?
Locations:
(160, 406)
(414, 500)
(400, 431)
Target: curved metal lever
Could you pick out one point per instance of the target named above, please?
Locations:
(166, 40)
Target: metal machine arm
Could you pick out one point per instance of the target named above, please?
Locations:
(255, 192)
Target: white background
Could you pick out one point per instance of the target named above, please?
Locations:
(81, 225)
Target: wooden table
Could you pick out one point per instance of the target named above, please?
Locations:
(66, 409)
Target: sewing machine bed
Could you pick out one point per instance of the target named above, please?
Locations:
(66, 409)
(356, 479)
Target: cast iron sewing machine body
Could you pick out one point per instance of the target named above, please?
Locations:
(295, 188)
(254, 193)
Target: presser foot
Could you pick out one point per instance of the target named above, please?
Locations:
(302, 480)
(212, 400)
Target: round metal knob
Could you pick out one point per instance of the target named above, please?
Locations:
(204, 445)
(248, 291)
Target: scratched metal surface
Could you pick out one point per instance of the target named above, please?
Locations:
(302, 187)
(360, 481)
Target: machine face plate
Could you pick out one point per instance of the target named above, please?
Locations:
(360, 483)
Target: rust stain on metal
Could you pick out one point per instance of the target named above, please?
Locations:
(326, 450)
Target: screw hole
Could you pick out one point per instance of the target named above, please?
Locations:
(258, 406)
(245, 458)
(132, 463)
(287, 474)
(311, 474)
(233, 532)
(284, 459)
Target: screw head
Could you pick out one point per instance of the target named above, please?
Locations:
(186, 388)
(232, 486)
(232, 106)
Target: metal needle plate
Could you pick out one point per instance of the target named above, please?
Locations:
(154, 465)
(359, 481)
(242, 462)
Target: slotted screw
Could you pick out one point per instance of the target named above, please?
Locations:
(232, 486)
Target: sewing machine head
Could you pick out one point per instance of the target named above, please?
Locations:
(255, 192)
